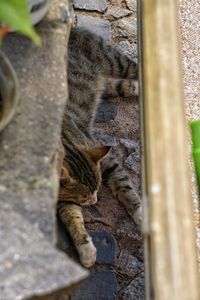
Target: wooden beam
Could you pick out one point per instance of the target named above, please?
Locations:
(170, 248)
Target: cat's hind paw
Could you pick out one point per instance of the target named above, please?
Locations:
(137, 216)
(88, 254)
(135, 87)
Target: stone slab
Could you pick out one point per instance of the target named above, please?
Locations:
(99, 26)
(95, 211)
(124, 28)
(131, 147)
(91, 5)
(30, 263)
(102, 285)
(132, 161)
(132, 4)
(117, 12)
(28, 155)
(107, 111)
(132, 164)
(129, 49)
(105, 243)
(136, 289)
(129, 264)
(106, 247)
(127, 228)
(139, 253)
(105, 138)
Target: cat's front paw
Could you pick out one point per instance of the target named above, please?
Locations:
(137, 216)
(135, 88)
(88, 254)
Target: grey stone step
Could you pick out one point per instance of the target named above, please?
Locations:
(91, 5)
(132, 4)
(99, 26)
(106, 111)
(30, 263)
(102, 285)
(135, 290)
(106, 245)
(129, 264)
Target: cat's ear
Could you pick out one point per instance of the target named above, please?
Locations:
(64, 174)
(98, 153)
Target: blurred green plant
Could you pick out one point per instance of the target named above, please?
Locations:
(14, 14)
(195, 133)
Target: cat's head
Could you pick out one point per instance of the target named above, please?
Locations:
(81, 175)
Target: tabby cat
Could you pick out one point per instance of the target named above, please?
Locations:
(91, 61)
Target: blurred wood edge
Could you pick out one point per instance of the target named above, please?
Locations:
(171, 267)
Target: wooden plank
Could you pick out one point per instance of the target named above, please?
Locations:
(170, 248)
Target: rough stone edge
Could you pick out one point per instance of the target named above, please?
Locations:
(82, 273)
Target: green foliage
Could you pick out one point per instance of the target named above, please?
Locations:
(15, 14)
(195, 133)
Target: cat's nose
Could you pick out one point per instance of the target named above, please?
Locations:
(93, 198)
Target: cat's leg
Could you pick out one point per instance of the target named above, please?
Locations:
(119, 65)
(121, 185)
(72, 218)
(120, 87)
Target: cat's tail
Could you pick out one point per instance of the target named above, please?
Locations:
(109, 59)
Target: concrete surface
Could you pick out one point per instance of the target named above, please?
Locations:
(30, 263)
(189, 13)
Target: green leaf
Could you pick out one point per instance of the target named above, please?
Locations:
(195, 133)
(15, 14)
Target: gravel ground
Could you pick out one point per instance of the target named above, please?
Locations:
(190, 31)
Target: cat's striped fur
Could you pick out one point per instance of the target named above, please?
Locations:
(91, 63)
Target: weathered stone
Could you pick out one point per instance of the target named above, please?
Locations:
(91, 5)
(140, 253)
(125, 28)
(127, 228)
(106, 247)
(132, 164)
(136, 289)
(30, 264)
(131, 147)
(101, 285)
(129, 49)
(107, 111)
(117, 12)
(94, 211)
(131, 4)
(99, 26)
(105, 138)
(129, 264)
